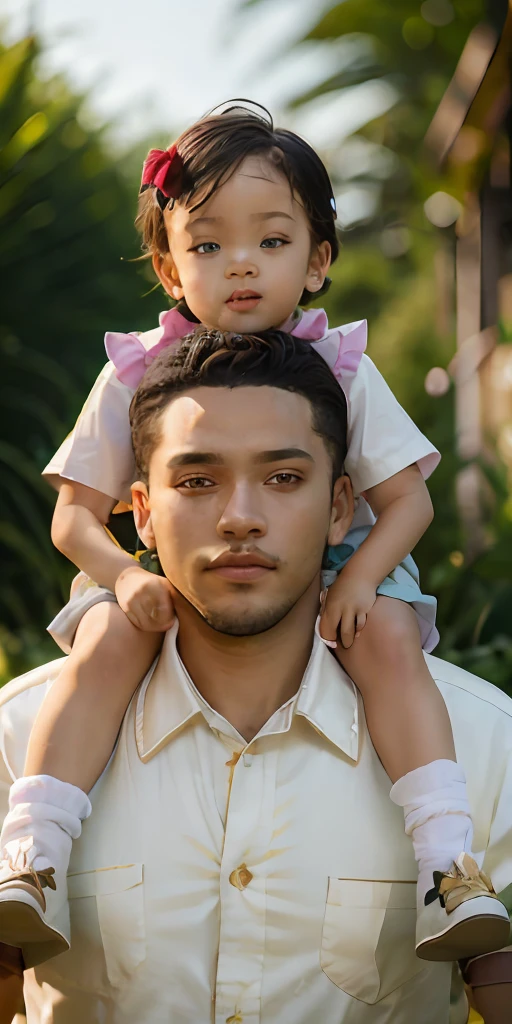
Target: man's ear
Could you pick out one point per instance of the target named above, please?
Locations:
(342, 512)
(167, 273)
(142, 513)
(319, 263)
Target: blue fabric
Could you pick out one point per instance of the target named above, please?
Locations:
(403, 583)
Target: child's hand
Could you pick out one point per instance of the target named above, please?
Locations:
(146, 599)
(345, 608)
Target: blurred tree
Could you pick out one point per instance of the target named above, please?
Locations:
(396, 268)
(66, 205)
(404, 54)
(66, 209)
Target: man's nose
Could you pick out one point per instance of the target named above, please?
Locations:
(242, 516)
(241, 265)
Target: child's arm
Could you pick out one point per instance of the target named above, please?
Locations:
(80, 516)
(78, 532)
(403, 509)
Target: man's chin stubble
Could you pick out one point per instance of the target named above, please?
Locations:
(246, 625)
(234, 623)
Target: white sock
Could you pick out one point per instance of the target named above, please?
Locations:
(437, 818)
(49, 811)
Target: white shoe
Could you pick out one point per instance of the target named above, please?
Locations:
(23, 906)
(462, 916)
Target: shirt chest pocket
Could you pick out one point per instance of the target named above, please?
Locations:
(368, 937)
(107, 910)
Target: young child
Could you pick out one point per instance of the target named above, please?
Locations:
(239, 220)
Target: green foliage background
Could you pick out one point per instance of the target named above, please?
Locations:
(386, 272)
(66, 208)
(66, 236)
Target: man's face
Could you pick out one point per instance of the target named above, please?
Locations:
(241, 505)
(243, 259)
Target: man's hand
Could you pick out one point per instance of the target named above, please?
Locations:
(146, 599)
(346, 607)
(11, 982)
(11, 996)
(489, 985)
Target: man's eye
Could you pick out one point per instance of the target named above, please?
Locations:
(284, 478)
(196, 483)
(206, 247)
(273, 243)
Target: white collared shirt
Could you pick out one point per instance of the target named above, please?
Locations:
(219, 882)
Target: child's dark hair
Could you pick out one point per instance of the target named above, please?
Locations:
(215, 359)
(213, 148)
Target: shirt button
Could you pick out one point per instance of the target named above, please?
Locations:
(148, 360)
(240, 877)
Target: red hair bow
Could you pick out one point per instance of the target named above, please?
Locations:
(163, 168)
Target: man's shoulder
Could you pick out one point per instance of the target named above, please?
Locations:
(36, 677)
(20, 701)
(472, 689)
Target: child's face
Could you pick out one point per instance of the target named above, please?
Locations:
(243, 259)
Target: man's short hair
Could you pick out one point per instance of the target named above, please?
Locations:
(215, 359)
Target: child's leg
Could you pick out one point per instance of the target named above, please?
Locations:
(411, 732)
(77, 725)
(405, 712)
(70, 744)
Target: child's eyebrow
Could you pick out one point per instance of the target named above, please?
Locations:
(204, 220)
(254, 216)
(271, 213)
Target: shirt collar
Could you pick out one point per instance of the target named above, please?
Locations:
(167, 701)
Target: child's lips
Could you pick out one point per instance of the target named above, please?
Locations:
(243, 300)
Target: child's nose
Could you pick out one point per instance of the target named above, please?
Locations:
(242, 266)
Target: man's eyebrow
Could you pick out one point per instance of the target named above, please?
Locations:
(195, 459)
(282, 455)
(215, 459)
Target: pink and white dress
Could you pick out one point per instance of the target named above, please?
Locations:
(382, 440)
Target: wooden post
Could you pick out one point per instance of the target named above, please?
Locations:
(467, 378)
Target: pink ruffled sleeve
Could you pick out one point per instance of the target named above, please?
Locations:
(343, 348)
(131, 358)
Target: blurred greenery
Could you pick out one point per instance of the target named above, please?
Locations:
(389, 272)
(66, 206)
(66, 210)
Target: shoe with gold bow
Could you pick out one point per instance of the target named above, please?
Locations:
(23, 910)
(462, 916)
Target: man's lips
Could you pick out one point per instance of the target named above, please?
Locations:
(243, 299)
(242, 567)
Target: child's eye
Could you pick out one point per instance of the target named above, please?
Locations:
(206, 247)
(273, 243)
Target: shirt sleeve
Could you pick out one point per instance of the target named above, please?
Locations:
(98, 452)
(498, 855)
(382, 438)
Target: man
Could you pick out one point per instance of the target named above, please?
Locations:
(243, 862)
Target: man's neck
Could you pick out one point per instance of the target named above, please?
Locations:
(247, 678)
